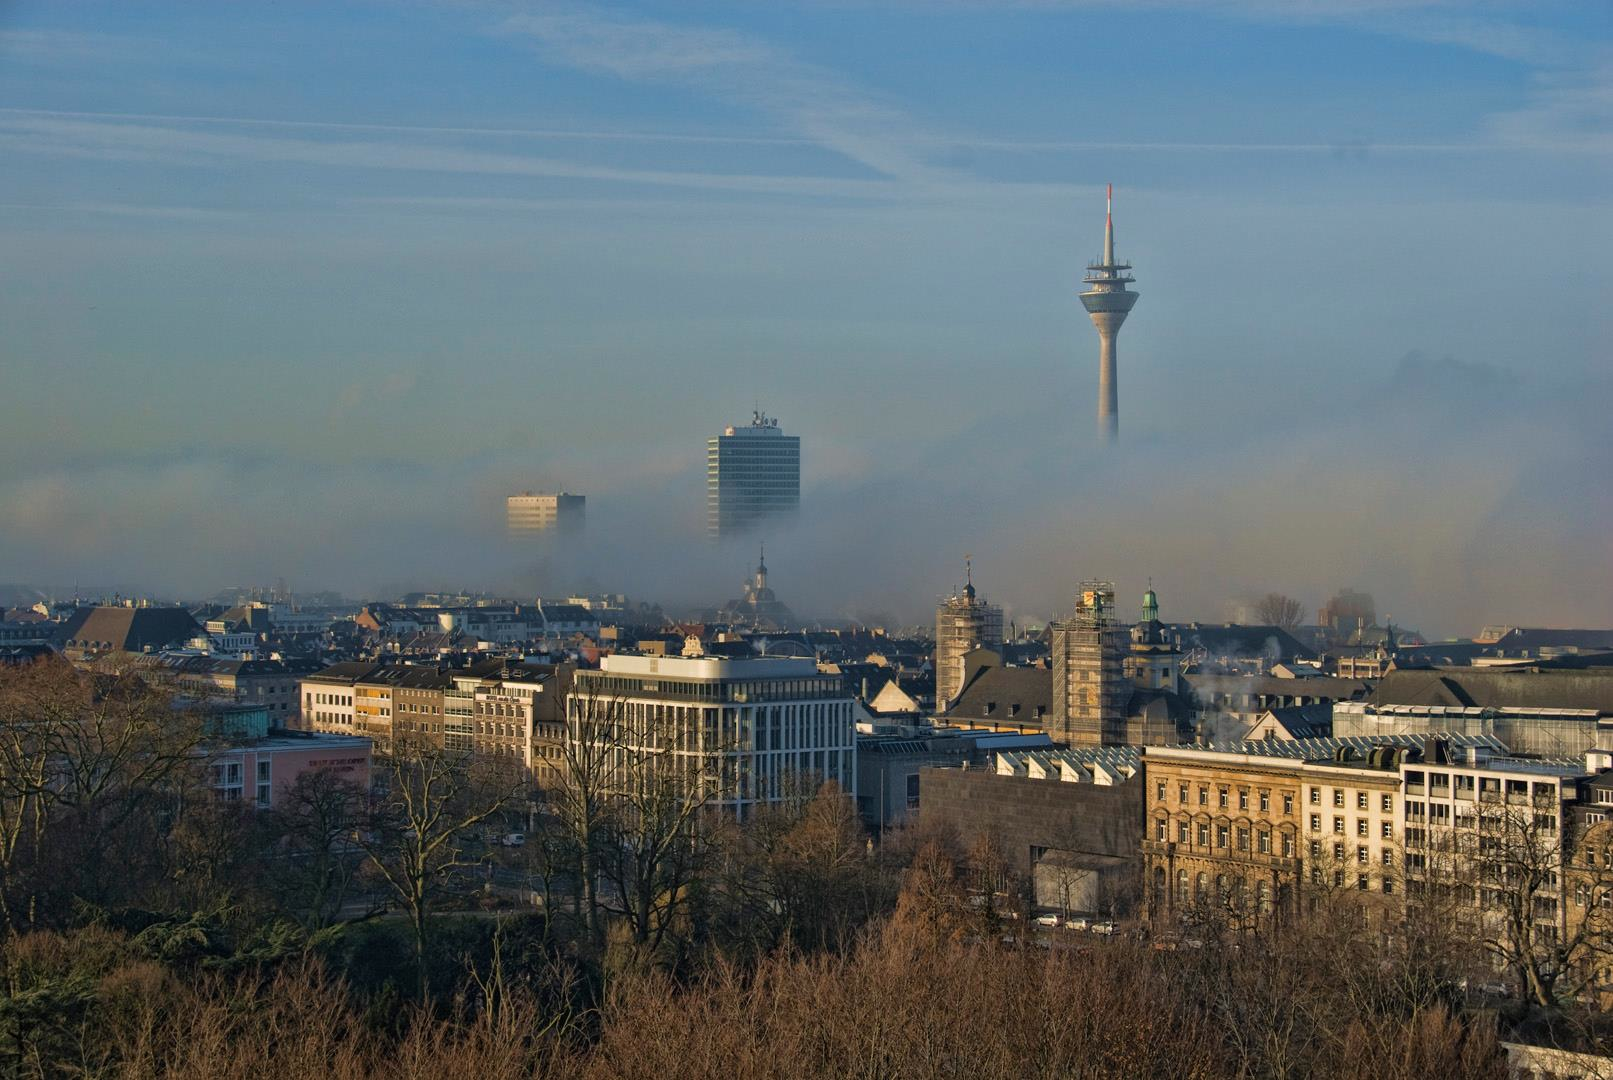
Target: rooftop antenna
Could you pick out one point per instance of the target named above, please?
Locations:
(1109, 225)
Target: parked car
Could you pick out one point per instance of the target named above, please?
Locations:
(513, 839)
(1050, 919)
(1103, 926)
(1077, 922)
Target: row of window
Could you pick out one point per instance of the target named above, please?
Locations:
(1223, 835)
(1363, 827)
(1224, 796)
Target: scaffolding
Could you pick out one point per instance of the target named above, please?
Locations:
(963, 623)
(1089, 681)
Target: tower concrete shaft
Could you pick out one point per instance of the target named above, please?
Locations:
(1108, 302)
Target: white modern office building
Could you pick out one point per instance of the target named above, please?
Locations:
(763, 730)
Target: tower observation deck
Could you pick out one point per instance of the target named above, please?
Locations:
(1108, 301)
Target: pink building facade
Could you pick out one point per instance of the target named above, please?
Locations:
(262, 770)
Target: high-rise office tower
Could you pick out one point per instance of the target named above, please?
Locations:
(527, 513)
(962, 623)
(753, 474)
(1108, 301)
(1090, 688)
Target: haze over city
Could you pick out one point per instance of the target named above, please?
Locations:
(304, 291)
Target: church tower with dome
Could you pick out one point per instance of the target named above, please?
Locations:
(1153, 662)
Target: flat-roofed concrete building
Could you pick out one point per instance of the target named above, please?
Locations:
(766, 728)
(260, 771)
(1481, 827)
(753, 475)
(1068, 820)
(527, 513)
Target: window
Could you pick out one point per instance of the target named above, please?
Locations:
(1360, 800)
(1338, 825)
(1388, 804)
(1288, 845)
(1288, 803)
(1338, 852)
(1265, 802)
(1181, 793)
(1316, 823)
(1388, 886)
(1204, 836)
(1361, 882)
(1264, 842)
(1316, 796)
(1181, 832)
(1316, 849)
(1222, 798)
(1388, 857)
(1159, 791)
(1161, 830)
(1220, 836)
(1388, 830)
(1204, 795)
(913, 792)
(1243, 800)
(1361, 855)
(1338, 796)
(1243, 839)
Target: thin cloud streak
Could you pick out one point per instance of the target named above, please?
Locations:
(1512, 143)
(180, 146)
(738, 69)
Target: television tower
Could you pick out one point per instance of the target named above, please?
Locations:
(1108, 301)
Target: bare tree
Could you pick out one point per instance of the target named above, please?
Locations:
(1275, 609)
(314, 820)
(431, 800)
(1521, 868)
(657, 839)
(581, 800)
(83, 757)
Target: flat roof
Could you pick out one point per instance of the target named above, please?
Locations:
(299, 741)
(710, 668)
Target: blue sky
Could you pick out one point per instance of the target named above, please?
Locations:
(301, 289)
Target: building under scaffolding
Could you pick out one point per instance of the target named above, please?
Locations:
(963, 623)
(1090, 687)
